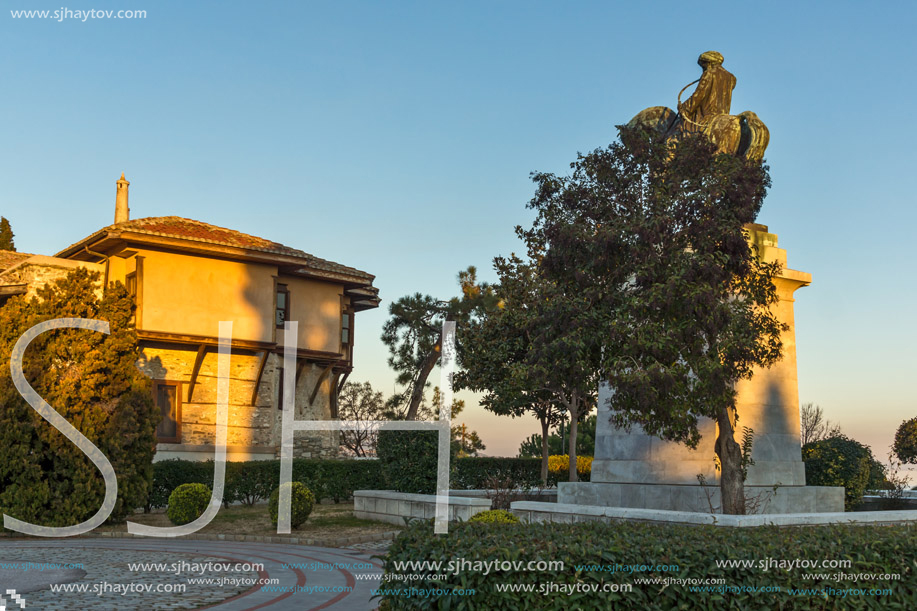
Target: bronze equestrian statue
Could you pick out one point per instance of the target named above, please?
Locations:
(707, 112)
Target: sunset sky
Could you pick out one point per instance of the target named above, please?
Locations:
(399, 138)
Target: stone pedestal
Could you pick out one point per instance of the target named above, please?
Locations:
(632, 469)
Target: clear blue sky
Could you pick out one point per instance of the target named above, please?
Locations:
(398, 138)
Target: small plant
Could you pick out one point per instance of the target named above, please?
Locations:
(187, 502)
(748, 440)
(494, 516)
(754, 503)
(502, 491)
(897, 481)
(301, 503)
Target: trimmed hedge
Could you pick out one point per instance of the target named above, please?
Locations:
(408, 460)
(694, 550)
(254, 481)
(473, 473)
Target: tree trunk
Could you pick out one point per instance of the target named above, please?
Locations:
(732, 481)
(574, 425)
(545, 430)
(421, 381)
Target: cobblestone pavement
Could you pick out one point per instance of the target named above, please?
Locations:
(291, 576)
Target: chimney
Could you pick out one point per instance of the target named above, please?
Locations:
(122, 212)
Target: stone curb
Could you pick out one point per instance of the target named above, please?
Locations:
(532, 511)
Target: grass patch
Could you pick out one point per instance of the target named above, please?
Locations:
(325, 522)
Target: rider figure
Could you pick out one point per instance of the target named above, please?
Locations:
(712, 96)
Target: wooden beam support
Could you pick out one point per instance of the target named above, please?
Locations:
(300, 366)
(264, 355)
(341, 383)
(318, 383)
(198, 361)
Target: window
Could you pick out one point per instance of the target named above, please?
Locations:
(282, 306)
(167, 396)
(346, 328)
(131, 283)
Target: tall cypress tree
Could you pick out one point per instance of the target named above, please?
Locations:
(6, 235)
(92, 380)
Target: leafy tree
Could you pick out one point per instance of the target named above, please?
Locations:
(6, 235)
(905, 446)
(813, 426)
(531, 352)
(361, 403)
(651, 242)
(839, 461)
(92, 380)
(414, 332)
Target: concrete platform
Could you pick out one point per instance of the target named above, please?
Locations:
(393, 507)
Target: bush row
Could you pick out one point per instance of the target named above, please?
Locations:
(473, 473)
(590, 550)
(253, 481)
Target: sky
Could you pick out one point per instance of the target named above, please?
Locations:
(398, 138)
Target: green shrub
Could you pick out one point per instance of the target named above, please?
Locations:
(408, 460)
(89, 378)
(689, 552)
(494, 516)
(839, 461)
(301, 503)
(187, 503)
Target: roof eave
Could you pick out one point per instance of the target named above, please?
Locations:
(301, 265)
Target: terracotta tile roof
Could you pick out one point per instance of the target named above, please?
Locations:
(9, 258)
(196, 231)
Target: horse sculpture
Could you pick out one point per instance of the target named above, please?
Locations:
(707, 112)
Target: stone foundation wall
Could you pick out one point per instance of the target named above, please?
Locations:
(257, 424)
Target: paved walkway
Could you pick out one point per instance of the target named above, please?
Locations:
(101, 574)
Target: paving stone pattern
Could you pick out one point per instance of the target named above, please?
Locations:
(106, 561)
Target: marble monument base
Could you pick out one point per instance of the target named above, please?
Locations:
(702, 499)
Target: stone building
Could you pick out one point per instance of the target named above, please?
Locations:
(186, 277)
